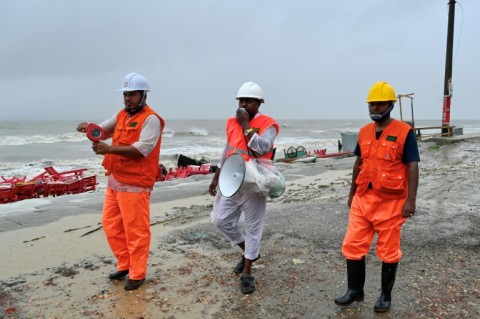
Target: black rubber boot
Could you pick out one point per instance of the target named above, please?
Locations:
(119, 274)
(389, 272)
(356, 281)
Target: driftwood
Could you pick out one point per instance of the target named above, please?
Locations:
(72, 229)
(92, 231)
(151, 224)
(27, 241)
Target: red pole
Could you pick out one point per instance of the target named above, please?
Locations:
(446, 110)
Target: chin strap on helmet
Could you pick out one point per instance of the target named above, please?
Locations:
(382, 116)
(140, 105)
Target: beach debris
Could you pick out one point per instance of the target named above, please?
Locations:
(308, 159)
(198, 235)
(48, 183)
(50, 282)
(72, 229)
(179, 216)
(11, 310)
(92, 231)
(27, 241)
(187, 171)
(104, 294)
(186, 167)
(296, 261)
(65, 271)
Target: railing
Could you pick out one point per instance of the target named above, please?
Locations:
(445, 131)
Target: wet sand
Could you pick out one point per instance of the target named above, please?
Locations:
(49, 270)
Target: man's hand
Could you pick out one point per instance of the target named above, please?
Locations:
(100, 148)
(243, 118)
(412, 175)
(212, 189)
(409, 208)
(82, 127)
(349, 202)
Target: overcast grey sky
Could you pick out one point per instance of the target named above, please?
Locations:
(314, 59)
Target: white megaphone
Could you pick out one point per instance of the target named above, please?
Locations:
(232, 175)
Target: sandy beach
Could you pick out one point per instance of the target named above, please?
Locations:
(55, 259)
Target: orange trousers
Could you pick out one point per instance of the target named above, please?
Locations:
(126, 223)
(370, 214)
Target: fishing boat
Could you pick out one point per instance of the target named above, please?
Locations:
(300, 155)
(297, 155)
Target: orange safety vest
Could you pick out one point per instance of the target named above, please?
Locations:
(236, 137)
(382, 160)
(141, 171)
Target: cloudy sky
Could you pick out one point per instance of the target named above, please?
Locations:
(315, 59)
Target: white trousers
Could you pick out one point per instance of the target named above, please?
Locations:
(226, 213)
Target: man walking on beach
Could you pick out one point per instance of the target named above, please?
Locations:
(250, 134)
(382, 195)
(132, 167)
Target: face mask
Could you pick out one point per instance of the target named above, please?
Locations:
(382, 116)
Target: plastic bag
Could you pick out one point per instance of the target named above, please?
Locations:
(261, 176)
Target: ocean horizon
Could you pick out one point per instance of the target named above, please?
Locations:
(27, 146)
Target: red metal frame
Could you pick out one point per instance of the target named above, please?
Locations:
(48, 183)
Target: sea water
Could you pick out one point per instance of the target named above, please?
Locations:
(26, 147)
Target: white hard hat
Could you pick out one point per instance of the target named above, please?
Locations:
(135, 82)
(250, 89)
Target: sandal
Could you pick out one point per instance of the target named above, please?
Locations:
(247, 284)
(241, 264)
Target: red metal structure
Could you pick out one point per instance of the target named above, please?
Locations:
(48, 183)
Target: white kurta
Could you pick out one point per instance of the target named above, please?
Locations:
(226, 211)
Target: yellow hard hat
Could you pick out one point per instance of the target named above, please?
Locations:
(381, 92)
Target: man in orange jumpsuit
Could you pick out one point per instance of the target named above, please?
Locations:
(382, 195)
(131, 162)
(250, 134)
